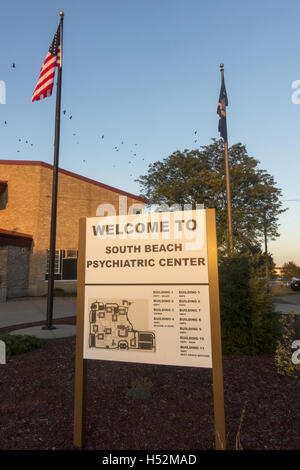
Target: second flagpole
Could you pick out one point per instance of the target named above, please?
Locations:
(227, 175)
(51, 270)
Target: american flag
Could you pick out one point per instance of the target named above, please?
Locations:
(45, 82)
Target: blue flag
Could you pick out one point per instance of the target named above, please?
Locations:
(223, 102)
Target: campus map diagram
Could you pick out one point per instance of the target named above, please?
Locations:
(110, 328)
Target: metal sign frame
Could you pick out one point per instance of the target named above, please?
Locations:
(217, 367)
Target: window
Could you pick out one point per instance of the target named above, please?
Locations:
(3, 194)
(65, 265)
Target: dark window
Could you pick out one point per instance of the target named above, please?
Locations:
(3, 194)
(65, 265)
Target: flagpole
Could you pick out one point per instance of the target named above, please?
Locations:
(227, 174)
(51, 271)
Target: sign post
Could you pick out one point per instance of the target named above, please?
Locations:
(148, 293)
(80, 362)
(215, 321)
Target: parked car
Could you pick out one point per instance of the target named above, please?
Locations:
(283, 281)
(295, 284)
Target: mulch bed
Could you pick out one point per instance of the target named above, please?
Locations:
(36, 403)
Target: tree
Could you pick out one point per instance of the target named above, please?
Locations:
(290, 270)
(249, 322)
(198, 177)
(258, 260)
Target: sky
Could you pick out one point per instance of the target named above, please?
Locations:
(146, 75)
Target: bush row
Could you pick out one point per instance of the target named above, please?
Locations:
(250, 324)
(19, 344)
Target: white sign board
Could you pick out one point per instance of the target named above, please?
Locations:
(147, 289)
(2, 352)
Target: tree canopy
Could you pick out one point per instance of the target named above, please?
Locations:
(290, 270)
(198, 177)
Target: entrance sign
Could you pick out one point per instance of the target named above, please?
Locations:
(146, 289)
(148, 293)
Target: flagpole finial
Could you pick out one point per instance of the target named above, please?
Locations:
(61, 13)
(221, 67)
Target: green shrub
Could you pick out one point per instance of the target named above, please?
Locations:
(265, 320)
(140, 389)
(235, 304)
(19, 344)
(249, 322)
(283, 353)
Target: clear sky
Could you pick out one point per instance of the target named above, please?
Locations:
(146, 73)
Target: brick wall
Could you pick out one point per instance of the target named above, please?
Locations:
(14, 270)
(28, 210)
(3, 265)
(17, 280)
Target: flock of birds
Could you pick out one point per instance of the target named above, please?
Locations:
(116, 148)
(20, 140)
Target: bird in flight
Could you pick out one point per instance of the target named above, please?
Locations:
(13, 66)
(70, 117)
(64, 111)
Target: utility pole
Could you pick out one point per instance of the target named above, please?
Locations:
(266, 245)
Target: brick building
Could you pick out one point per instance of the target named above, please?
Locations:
(25, 216)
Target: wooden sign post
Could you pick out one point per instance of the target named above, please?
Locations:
(215, 321)
(138, 277)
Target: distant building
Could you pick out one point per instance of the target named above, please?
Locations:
(25, 216)
(278, 271)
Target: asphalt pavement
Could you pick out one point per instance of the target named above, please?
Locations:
(286, 303)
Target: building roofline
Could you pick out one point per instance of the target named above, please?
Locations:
(13, 234)
(73, 175)
(8, 237)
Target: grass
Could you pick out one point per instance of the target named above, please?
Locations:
(283, 291)
(58, 292)
(238, 444)
(140, 389)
